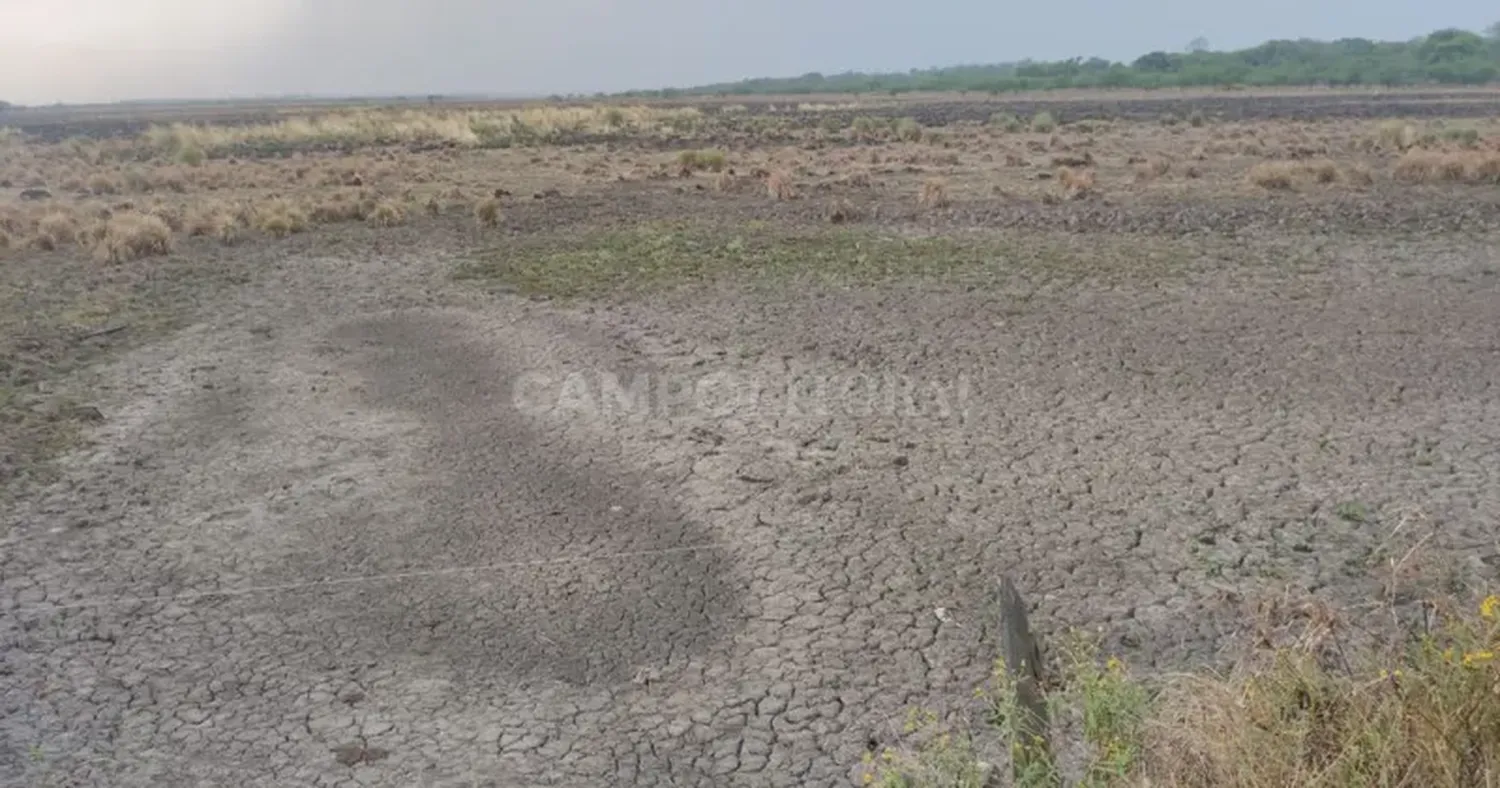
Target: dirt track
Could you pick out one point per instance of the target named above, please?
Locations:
(358, 525)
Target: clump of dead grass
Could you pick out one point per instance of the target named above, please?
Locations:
(487, 212)
(1305, 709)
(213, 221)
(690, 161)
(1076, 184)
(1427, 717)
(1424, 166)
(1321, 170)
(133, 236)
(338, 208)
(1151, 169)
(1276, 175)
(841, 211)
(280, 218)
(1397, 135)
(1359, 175)
(725, 182)
(1286, 175)
(933, 193)
(100, 184)
(779, 186)
(909, 130)
(55, 229)
(387, 213)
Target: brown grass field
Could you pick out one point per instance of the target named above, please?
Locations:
(1233, 427)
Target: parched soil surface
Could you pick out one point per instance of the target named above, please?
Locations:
(360, 523)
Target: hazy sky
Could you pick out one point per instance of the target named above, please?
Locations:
(105, 50)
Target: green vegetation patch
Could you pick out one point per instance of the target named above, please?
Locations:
(654, 256)
(657, 255)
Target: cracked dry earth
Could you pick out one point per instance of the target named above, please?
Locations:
(363, 526)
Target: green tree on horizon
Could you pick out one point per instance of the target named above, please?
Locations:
(1449, 56)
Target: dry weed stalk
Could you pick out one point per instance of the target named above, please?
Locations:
(933, 194)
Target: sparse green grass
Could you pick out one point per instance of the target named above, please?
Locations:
(661, 255)
(1467, 137)
(1007, 122)
(1353, 512)
(908, 130)
(48, 306)
(695, 160)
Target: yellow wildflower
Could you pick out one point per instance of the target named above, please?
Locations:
(1114, 665)
(1477, 658)
(869, 778)
(1489, 607)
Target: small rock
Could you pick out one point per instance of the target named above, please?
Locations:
(35, 194)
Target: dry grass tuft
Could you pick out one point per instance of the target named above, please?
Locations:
(100, 184)
(1422, 166)
(841, 211)
(1359, 175)
(1076, 184)
(1321, 170)
(92, 234)
(909, 130)
(1397, 135)
(213, 222)
(1152, 169)
(387, 213)
(337, 208)
(172, 215)
(132, 236)
(1294, 718)
(779, 186)
(1276, 175)
(725, 182)
(933, 194)
(280, 218)
(487, 212)
(56, 229)
(690, 161)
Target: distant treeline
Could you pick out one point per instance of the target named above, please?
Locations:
(1446, 57)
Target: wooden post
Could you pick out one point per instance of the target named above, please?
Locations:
(1023, 660)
